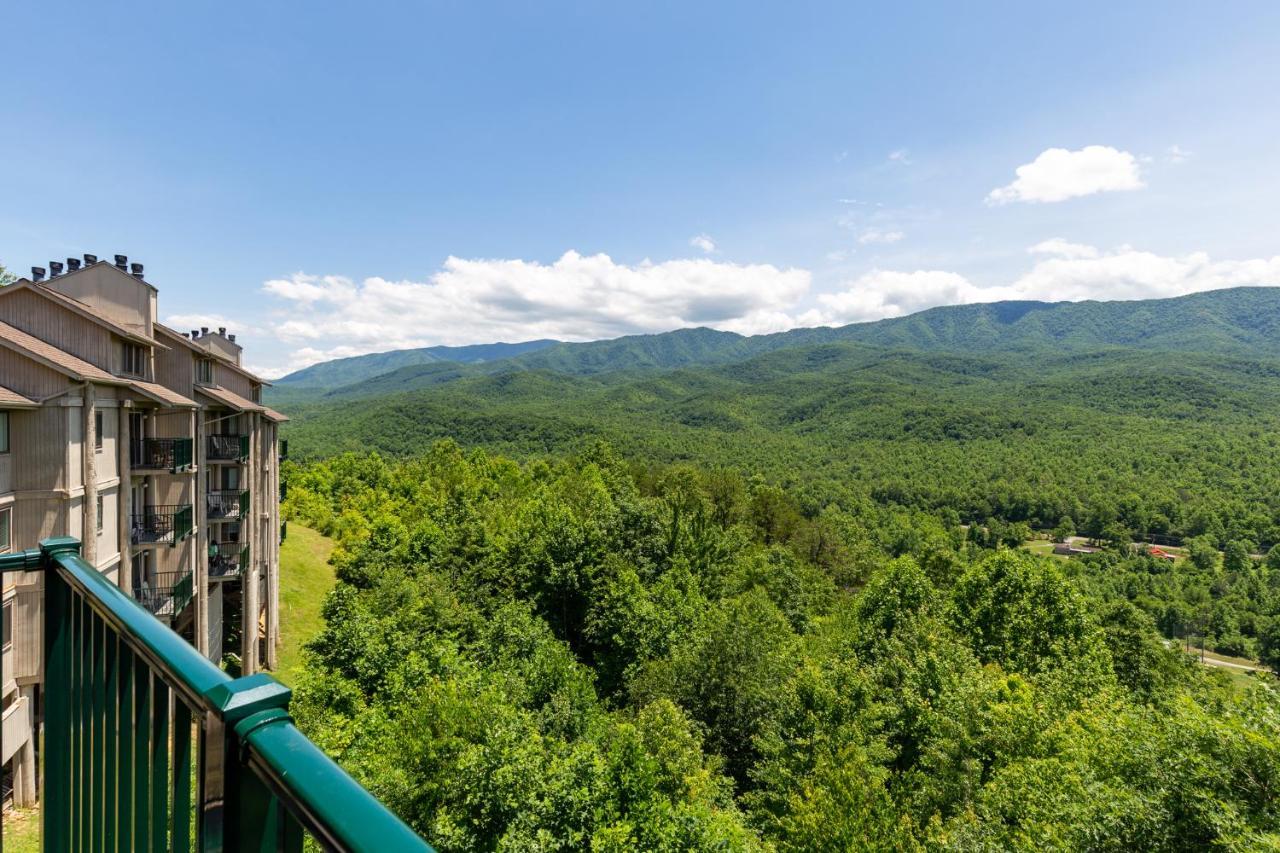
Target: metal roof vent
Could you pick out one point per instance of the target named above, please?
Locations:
(136, 269)
(73, 264)
(231, 338)
(122, 261)
(55, 268)
(37, 273)
(90, 260)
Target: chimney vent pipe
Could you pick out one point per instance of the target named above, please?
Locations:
(73, 264)
(55, 268)
(204, 330)
(90, 259)
(122, 261)
(37, 273)
(136, 269)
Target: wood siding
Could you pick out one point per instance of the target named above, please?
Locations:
(58, 325)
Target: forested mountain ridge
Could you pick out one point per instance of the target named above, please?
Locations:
(1242, 321)
(342, 371)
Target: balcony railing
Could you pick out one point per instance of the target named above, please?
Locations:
(228, 448)
(149, 746)
(284, 449)
(228, 504)
(284, 531)
(227, 560)
(160, 454)
(161, 525)
(165, 594)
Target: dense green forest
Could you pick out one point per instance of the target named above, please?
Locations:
(700, 591)
(590, 653)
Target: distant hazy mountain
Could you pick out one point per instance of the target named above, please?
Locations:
(1240, 321)
(344, 371)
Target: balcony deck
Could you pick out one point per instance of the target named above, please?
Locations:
(149, 746)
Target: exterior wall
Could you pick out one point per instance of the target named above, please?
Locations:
(30, 378)
(114, 294)
(58, 325)
(39, 439)
(215, 343)
(175, 369)
(233, 381)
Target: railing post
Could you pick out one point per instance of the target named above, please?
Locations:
(232, 800)
(56, 780)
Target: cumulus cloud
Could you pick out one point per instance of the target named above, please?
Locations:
(879, 235)
(1072, 272)
(576, 297)
(887, 293)
(703, 242)
(1058, 174)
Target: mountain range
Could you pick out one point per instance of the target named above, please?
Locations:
(1238, 321)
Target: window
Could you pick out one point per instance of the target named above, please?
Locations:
(204, 371)
(100, 505)
(135, 360)
(5, 515)
(4, 432)
(97, 430)
(8, 624)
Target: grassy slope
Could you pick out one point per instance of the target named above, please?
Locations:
(305, 578)
(22, 831)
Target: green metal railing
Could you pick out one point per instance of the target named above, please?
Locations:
(227, 560)
(165, 593)
(228, 448)
(149, 746)
(228, 503)
(161, 525)
(160, 454)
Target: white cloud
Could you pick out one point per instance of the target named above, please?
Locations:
(900, 156)
(1176, 154)
(879, 235)
(703, 242)
(887, 293)
(574, 298)
(1063, 248)
(1074, 272)
(1058, 174)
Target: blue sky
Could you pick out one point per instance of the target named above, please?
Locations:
(332, 180)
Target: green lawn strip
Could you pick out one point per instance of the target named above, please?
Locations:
(305, 579)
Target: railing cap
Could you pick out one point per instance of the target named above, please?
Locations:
(247, 695)
(55, 545)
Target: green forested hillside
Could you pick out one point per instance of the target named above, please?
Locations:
(345, 371)
(1118, 439)
(705, 592)
(584, 653)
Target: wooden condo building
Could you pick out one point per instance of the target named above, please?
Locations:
(152, 447)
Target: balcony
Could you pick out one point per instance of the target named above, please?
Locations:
(228, 448)
(161, 525)
(149, 746)
(165, 594)
(228, 505)
(160, 454)
(227, 560)
(284, 449)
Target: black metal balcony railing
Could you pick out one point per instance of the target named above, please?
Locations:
(160, 454)
(227, 560)
(284, 490)
(228, 504)
(166, 593)
(284, 531)
(150, 746)
(161, 525)
(284, 449)
(228, 448)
